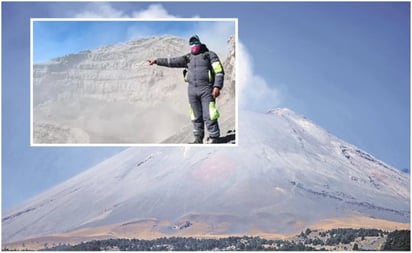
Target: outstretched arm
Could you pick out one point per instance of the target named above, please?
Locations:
(174, 62)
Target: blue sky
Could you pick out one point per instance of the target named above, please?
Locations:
(53, 39)
(345, 66)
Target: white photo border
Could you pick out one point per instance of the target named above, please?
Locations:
(236, 144)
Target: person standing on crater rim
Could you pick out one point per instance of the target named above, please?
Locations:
(204, 72)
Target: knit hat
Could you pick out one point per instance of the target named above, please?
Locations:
(194, 40)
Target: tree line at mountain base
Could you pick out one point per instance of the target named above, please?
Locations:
(334, 239)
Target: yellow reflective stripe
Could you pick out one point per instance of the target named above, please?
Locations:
(217, 67)
(213, 112)
(210, 75)
(192, 114)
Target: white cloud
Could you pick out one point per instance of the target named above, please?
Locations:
(100, 10)
(213, 34)
(105, 10)
(254, 92)
(154, 11)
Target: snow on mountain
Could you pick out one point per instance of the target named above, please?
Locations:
(286, 174)
(111, 94)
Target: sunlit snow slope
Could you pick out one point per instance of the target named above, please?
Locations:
(286, 174)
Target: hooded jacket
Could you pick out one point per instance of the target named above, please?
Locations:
(204, 68)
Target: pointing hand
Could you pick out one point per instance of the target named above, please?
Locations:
(151, 62)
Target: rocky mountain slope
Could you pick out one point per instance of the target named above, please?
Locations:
(287, 174)
(111, 95)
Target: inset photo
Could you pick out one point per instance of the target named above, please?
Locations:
(133, 82)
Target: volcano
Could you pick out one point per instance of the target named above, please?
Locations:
(287, 174)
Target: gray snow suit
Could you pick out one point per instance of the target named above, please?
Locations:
(204, 71)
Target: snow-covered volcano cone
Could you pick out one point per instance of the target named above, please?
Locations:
(285, 175)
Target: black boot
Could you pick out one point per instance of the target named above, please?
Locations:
(198, 140)
(214, 140)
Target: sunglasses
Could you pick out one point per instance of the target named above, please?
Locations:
(194, 42)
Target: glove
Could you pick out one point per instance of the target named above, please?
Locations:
(215, 92)
(151, 62)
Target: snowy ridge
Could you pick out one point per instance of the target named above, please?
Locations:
(285, 175)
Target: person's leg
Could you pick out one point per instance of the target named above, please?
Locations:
(196, 115)
(210, 113)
